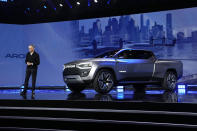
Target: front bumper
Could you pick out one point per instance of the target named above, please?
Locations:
(76, 79)
(77, 76)
(73, 79)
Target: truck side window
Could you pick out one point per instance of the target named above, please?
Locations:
(135, 54)
(142, 54)
(124, 54)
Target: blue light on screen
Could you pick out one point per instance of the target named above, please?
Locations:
(120, 96)
(120, 89)
(120, 92)
(181, 89)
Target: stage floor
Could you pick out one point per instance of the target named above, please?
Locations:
(178, 96)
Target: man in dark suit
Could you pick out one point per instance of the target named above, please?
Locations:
(32, 60)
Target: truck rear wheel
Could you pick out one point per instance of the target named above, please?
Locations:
(104, 81)
(169, 81)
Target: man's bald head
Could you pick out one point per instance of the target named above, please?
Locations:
(31, 48)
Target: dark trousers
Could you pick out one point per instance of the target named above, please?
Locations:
(33, 73)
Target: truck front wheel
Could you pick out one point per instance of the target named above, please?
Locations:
(104, 81)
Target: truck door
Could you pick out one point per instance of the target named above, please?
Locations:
(135, 65)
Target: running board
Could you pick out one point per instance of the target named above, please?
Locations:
(139, 82)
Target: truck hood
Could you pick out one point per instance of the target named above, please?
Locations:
(91, 60)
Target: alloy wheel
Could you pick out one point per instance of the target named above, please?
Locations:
(105, 81)
(171, 81)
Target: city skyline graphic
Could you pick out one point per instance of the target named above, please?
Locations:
(126, 28)
(140, 27)
(183, 20)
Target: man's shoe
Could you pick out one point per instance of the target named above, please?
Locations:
(33, 92)
(23, 93)
(33, 95)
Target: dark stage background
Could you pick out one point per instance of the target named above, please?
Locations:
(169, 34)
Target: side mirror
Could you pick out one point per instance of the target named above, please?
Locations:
(152, 59)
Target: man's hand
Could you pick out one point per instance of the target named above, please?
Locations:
(29, 63)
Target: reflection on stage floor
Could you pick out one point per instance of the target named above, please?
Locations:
(181, 95)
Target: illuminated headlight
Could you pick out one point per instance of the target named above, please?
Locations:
(64, 67)
(69, 66)
(84, 65)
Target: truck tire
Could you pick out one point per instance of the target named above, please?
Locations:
(104, 81)
(76, 88)
(169, 81)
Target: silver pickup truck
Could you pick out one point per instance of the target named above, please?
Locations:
(122, 67)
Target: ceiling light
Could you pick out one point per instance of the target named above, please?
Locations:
(78, 3)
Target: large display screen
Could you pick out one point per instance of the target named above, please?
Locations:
(169, 34)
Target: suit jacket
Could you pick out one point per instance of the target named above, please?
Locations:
(34, 58)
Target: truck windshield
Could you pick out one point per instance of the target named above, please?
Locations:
(108, 54)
